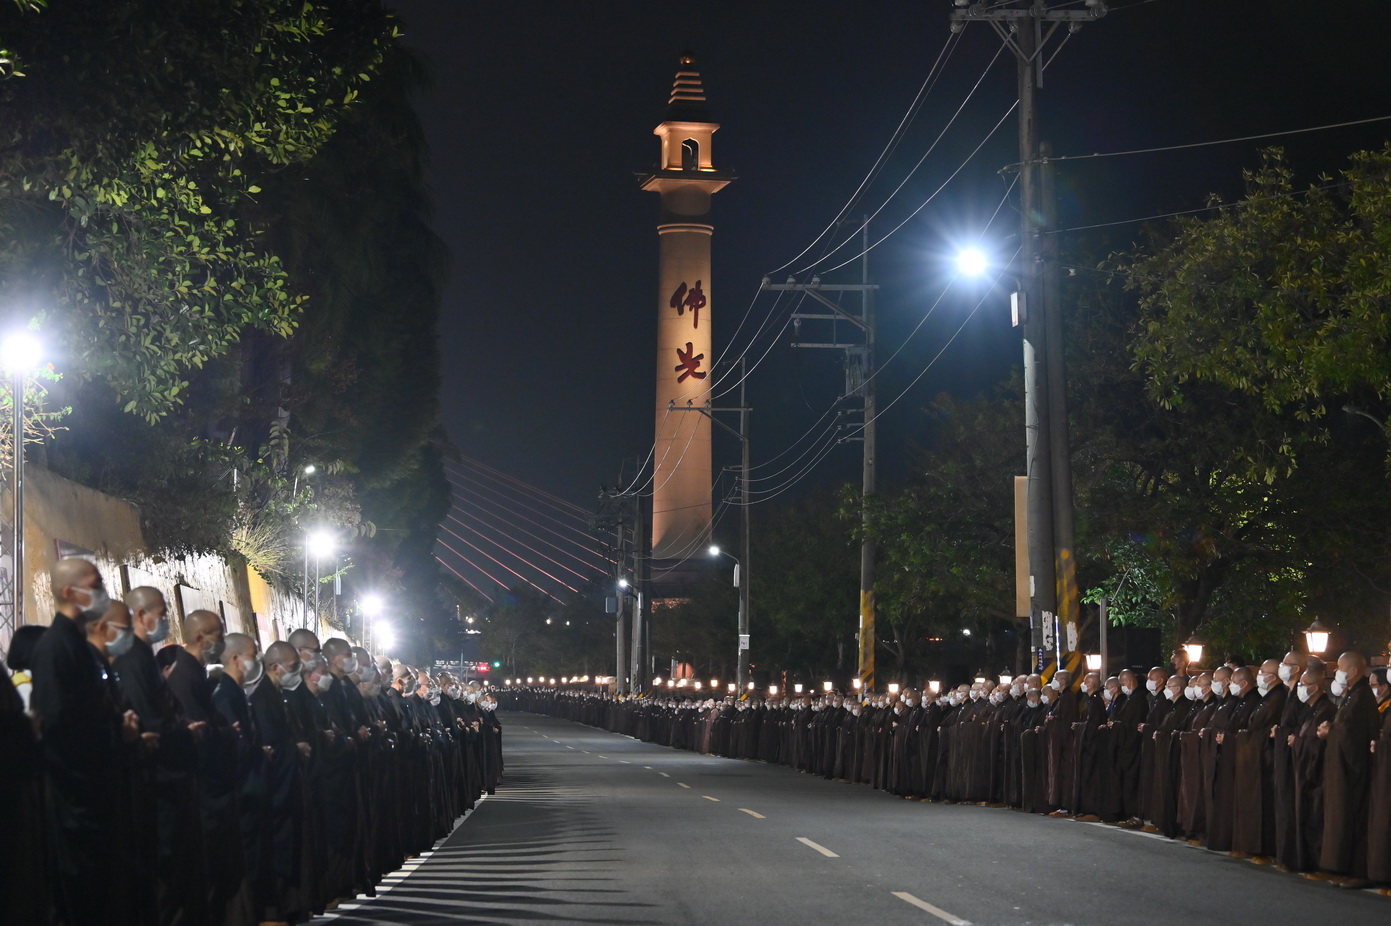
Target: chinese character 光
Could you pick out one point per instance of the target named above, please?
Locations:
(688, 365)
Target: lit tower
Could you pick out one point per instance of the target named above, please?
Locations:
(685, 178)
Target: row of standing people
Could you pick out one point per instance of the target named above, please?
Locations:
(211, 783)
(1287, 763)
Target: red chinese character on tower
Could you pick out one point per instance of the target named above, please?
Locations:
(688, 365)
(693, 299)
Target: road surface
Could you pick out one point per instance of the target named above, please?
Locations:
(592, 827)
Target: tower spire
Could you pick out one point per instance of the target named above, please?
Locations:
(685, 178)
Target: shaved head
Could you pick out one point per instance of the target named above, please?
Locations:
(201, 621)
(239, 644)
(304, 639)
(335, 647)
(281, 654)
(144, 598)
(69, 572)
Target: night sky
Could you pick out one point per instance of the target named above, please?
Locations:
(542, 113)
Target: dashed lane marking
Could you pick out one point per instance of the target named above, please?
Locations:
(753, 813)
(817, 846)
(684, 785)
(569, 747)
(625, 761)
(938, 912)
(664, 774)
(709, 798)
(648, 767)
(603, 757)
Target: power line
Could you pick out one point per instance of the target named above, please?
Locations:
(507, 552)
(513, 514)
(463, 579)
(511, 539)
(1220, 141)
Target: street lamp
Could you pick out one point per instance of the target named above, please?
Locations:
(20, 353)
(742, 663)
(318, 544)
(1316, 635)
(972, 262)
(371, 605)
(1194, 649)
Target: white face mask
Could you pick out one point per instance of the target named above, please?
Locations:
(1056, 685)
(323, 683)
(1128, 689)
(1286, 672)
(1263, 685)
(1152, 685)
(1340, 683)
(252, 672)
(1169, 693)
(1190, 693)
(292, 680)
(1108, 695)
(98, 602)
(1303, 693)
(1219, 688)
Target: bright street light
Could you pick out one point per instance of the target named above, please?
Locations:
(972, 262)
(320, 544)
(20, 353)
(386, 637)
(372, 604)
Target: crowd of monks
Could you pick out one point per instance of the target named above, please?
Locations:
(209, 782)
(1287, 763)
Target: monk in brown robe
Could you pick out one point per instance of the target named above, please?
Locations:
(1192, 787)
(1244, 699)
(1347, 772)
(1253, 819)
(1057, 740)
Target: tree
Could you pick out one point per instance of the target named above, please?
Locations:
(133, 146)
(946, 536)
(1282, 297)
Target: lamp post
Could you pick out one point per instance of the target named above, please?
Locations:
(19, 354)
(317, 544)
(742, 663)
(371, 605)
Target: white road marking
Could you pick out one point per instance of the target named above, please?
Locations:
(938, 912)
(603, 757)
(709, 798)
(648, 767)
(664, 774)
(625, 761)
(817, 846)
(684, 785)
(753, 813)
(569, 747)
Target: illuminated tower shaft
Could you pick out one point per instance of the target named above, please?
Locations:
(685, 178)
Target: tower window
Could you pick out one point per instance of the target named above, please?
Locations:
(690, 154)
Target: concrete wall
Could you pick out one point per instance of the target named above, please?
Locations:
(62, 518)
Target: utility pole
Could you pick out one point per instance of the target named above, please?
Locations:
(613, 515)
(741, 564)
(859, 381)
(1026, 29)
(639, 674)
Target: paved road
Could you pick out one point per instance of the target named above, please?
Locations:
(590, 827)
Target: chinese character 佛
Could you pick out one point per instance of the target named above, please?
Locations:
(693, 299)
(689, 365)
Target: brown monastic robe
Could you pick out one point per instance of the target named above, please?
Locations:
(1192, 786)
(1253, 819)
(1057, 740)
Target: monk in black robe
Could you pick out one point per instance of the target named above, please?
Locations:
(80, 730)
(1164, 780)
(1347, 775)
(1125, 719)
(1222, 796)
(1088, 776)
(1307, 748)
(1379, 806)
(1292, 669)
